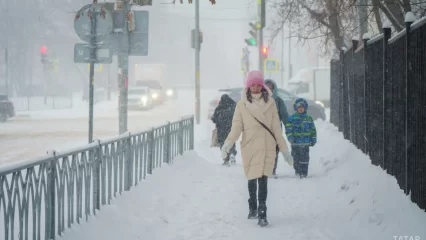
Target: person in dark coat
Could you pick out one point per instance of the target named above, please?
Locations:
(222, 117)
(282, 111)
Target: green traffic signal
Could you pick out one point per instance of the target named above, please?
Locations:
(251, 41)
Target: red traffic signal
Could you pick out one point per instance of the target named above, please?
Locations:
(265, 51)
(43, 50)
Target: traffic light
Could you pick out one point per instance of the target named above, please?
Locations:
(43, 50)
(265, 51)
(43, 54)
(252, 41)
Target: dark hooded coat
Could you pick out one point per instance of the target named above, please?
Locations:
(222, 117)
(282, 109)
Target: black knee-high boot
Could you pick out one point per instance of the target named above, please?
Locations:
(263, 194)
(252, 201)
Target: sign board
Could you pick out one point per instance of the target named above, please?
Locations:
(83, 24)
(97, 67)
(271, 65)
(82, 53)
(139, 37)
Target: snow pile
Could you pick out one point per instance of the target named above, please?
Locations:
(345, 197)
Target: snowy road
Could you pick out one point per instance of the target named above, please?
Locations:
(195, 199)
(26, 138)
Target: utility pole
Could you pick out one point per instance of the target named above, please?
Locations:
(92, 72)
(108, 85)
(197, 61)
(6, 78)
(282, 57)
(262, 5)
(290, 67)
(123, 65)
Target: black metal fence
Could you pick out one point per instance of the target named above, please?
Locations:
(378, 101)
(41, 198)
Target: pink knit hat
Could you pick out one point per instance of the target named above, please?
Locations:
(255, 78)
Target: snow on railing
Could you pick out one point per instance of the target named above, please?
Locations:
(376, 38)
(41, 198)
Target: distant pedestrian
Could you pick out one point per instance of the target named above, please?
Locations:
(282, 112)
(222, 117)
(302, 134)
(256, 118)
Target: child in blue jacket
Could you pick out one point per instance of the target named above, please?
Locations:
(302, 134)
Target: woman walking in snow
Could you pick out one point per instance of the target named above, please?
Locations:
(256, 117)
(222, 117)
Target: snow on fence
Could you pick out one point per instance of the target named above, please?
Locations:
(42, 198)
(378, 99)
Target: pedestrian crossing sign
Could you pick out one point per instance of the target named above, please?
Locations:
(271, 65)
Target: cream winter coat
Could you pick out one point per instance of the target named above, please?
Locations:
(258, 147)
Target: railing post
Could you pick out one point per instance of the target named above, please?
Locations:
(51, 219)
(129, 163)
(192, 133)
(409, 101)
(352, 95)
(150, 150)
(97, 178)
(181, 137)
(167, 158)
(366, 95)
(342, 125)
(387, 97)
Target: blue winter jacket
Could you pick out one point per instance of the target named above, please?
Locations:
(300, 128)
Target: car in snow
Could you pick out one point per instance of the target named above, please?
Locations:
(140, 98)
(159, 92)
(7, 109)
(315, 110)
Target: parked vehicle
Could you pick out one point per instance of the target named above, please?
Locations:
(316, 110)
(140, 98)
(312, 83)
(7, 109)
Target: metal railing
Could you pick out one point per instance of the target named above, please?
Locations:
(378, 96)
(42, 198)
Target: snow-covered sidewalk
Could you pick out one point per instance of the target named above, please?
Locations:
(194, 199)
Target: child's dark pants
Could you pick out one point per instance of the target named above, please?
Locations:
(301, 160)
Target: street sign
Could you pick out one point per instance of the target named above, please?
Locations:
(97, 67)
(139, 37)
(271, 65)
(82, 53)
(82, 22)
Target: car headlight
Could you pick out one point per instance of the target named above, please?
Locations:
(169, 92)
(144, 99)
(320, 103)
(154, 95)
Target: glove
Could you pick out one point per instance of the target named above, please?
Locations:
(288, 158)
(225, 149)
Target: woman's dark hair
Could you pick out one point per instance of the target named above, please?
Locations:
(264, 92)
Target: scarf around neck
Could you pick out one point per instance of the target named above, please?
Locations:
(258, 102)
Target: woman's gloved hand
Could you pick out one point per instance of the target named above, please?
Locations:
(225, 149)
(288, 158)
